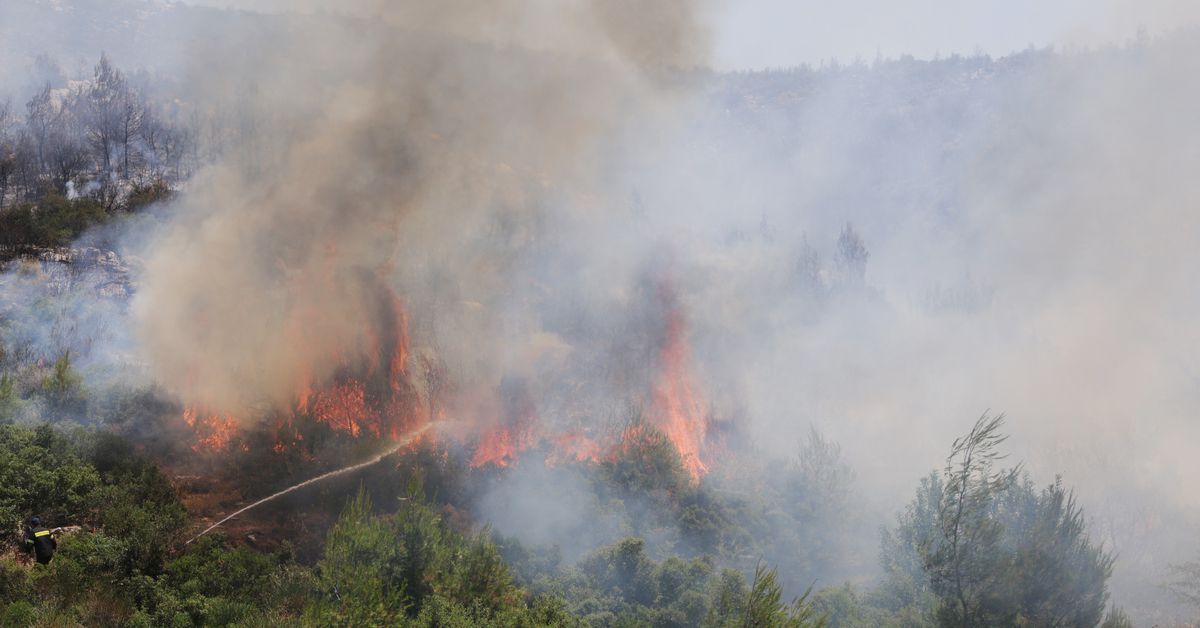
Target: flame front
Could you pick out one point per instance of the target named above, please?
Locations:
(214, 432)
(344, 407)
(374, 395)
(677, 410)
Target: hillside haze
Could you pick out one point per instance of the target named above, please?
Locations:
(621, 317)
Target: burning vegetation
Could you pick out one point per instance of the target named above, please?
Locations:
(380, 396)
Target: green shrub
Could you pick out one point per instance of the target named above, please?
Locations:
(54, 220)
(40, 473)
(14, 581)
(18, 614)
(62, 388)
(981, 546)
(85, 562)
(210, 569)
(646, 463)
(143, 196)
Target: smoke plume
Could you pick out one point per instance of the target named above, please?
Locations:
(384, 160)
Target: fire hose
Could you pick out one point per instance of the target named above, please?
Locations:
(404, 442)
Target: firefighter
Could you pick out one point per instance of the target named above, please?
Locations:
(40, 541)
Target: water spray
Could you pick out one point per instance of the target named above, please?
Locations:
(404, 442)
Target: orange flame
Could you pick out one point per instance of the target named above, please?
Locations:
(515, 433)
(344, 407)
(500, 447)
(367, 405)
(213, 432)
(376, 394)
(576, 446)
(677, 409)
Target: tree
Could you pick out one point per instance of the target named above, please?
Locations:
(1057, 576)
(105, 108)
(41, 117)
(851, 257)
(66, 158)
(8, 151)
(9, 400)
(62, 387)
(382, 569)
(1185, 583)
(41, 474)
(962, 557)
(45, 71)
(360, 574)
(905, 589)
(760, 606)
(165, 143)
(991, 549)
(810, 277)
(815, 491)
(647, 462)
(132, 117)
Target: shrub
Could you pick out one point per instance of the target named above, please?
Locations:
(40, 472)
(143, 196)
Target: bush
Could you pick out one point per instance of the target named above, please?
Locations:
(646, 463)
(991, 549)
(143, 196)
(210, 569)
(53, 221)
(40, 472)
(19, 613)
(62, 388)
(14, 581)
(140, 504)
(413, 566)
(86, 565)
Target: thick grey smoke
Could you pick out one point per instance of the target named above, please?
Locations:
(388, 156)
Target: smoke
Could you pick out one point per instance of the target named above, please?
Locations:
(1030, 228)
(384, 157)
(527, 178)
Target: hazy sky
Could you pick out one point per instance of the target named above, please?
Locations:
(776, 33)
(752, 34)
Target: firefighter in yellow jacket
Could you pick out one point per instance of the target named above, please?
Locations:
(40, 541)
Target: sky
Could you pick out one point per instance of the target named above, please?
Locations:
(755, 34)
(758, 34)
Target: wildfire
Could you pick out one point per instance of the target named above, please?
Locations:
(380, 403)
(370, 395)
(516, 430)
(576, 446)
(676, 413)
(213, 431)
(378, 394)
(344, 407)
(677, 409)
(501, 447)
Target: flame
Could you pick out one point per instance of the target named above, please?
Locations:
(576, 446)
(344, 407)
(372, 391)
(398, 366)
(499, 447)
(677, 414)
(365, 406)
(514, 433)
(214, 432)
(364, 392)
(677, 409)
